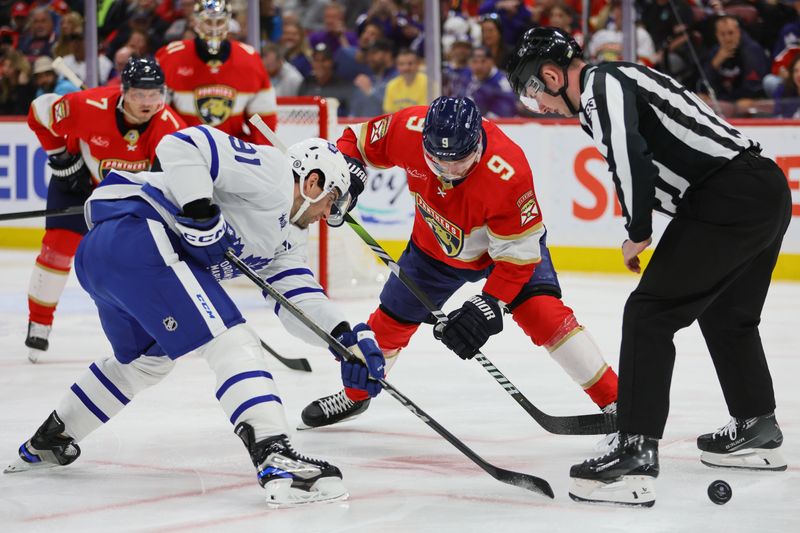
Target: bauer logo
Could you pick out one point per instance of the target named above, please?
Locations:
(170, 324)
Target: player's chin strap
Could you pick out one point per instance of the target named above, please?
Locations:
(305, 205)
(562, 92)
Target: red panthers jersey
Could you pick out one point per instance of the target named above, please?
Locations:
(489, 217)
(220, 94)
(88, 122)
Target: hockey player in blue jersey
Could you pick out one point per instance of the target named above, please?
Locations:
(152, 261)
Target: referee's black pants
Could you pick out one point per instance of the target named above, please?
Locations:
(713, 264)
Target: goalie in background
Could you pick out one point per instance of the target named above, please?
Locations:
(86, 134)
(152, 263)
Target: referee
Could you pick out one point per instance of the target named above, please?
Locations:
(730, 208)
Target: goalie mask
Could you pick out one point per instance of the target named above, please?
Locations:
(212, 18)
(322, 156)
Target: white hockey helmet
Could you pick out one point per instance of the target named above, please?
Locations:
(323, 156)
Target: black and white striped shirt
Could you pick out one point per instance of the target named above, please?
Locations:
(658, 137)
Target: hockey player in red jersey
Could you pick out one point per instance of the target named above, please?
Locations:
(216, 81)
(476, 218)
(86, 135)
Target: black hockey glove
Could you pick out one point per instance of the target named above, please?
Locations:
(467, 329)
(358, 178)
(70, 173)
(205, 235)
(362, 373)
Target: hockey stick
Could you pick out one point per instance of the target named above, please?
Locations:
(525, 481)
(65, 71)
(598, 424)
(73, 210)
(301, 363)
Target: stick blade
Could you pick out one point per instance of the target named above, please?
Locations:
(524, 481)
(599, 424)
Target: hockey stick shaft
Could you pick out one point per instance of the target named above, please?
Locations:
(595, 424)
(64, 211)
(300, 363)
(517, 479)
(267, 132)
(60, 67)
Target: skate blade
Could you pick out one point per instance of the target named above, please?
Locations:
(34, 355)
(281, 494)
(748, 459)
(630, 491)
(23, 466)
(302, 426)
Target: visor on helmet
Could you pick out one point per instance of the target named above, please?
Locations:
(453, 170)
(530, 93)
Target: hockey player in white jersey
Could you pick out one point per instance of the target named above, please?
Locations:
(152, 261)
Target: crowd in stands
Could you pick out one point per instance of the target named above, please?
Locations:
(742, 55)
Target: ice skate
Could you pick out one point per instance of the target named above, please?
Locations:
(49, 447)
(744, 443)
(624, 476)
(37, 340)
(290, 479)
(330, 410)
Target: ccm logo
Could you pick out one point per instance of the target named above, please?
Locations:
(204, 239)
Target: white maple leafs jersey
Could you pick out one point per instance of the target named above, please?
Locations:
(254, 189)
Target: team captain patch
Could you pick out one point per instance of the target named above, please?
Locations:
(379, 130)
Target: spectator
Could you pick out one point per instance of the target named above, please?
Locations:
(488, 86)
(120, 60)
(354, 9)
(16, 89)
(351, 61)
(179, 25)
(335, 35)
(138, 42)
(46, 80)
(456, 72)
(76, 60)
(285, 78)
(294, 47)
(736, 65)
(606, 44)
(19, 16)
(492, 38)
(271, 21)
(409, 29)
(324, 81)
(383, 13)
(514, 17)
(409, 88)
(789, 35)
(787, 95)
(563, 18)
(39, 39)
(70, 24)
(670, 37)
(8, 40)
(370, 89)
(143, 18)
(307, 13)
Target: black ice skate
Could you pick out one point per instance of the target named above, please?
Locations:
(623, 476)
(330, 410)
(48, 447)
(290, 478)
(37, 340)
(746, 443)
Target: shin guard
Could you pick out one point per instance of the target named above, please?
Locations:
(50, 274)
(550, 323)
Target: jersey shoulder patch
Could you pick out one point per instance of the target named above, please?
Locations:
(247, 48)
(175, 46)
(379, 129)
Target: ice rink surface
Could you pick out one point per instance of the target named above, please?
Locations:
(170, 460)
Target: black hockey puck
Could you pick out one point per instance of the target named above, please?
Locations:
(720, 492)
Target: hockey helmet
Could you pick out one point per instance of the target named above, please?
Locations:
(212, 18)
(319, 155)
(537, 47)
(143, 73)
(451, 137)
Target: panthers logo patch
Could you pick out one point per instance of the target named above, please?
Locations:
(450, 236)
(214, 103)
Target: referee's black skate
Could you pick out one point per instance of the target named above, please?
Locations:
(623, 476)
(330, 410)
(745, 443)
(289, 478)
(48, 447)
